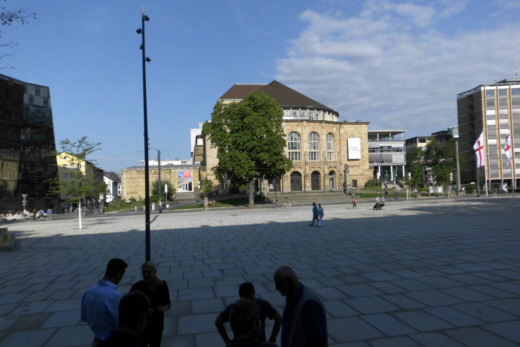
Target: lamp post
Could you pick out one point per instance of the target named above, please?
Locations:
(145, 18)
(455, 134)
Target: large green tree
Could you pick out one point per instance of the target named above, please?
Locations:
(250, 140)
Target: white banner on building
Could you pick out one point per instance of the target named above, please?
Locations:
(354, 148)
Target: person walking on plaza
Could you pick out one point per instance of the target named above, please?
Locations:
(321, 214)
(99, 305)
(245, 321)
(395, 196)
(304, 321)
(246, 291)
(133, 315)
(157, 291)
(354, 202)
(314, 213)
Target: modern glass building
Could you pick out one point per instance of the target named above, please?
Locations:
(27, 145)
(494, 110)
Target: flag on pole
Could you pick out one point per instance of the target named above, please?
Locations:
(480, 151)
(507, 148)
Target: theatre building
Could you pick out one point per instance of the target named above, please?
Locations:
(327, 154)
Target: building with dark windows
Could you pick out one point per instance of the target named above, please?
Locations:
(494, 110)
(327, 154)
(27, 145)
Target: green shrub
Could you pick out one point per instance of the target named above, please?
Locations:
(373, 182)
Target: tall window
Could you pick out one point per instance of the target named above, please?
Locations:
(314, 147)
(330, 147)
(293, 144)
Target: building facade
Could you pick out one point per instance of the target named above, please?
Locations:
(69, 166)
(494, 111)
(27, 145)
(387, 154)
(113, 184)
(327, 154)
(184, 178)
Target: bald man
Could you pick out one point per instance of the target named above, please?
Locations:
(304, 322)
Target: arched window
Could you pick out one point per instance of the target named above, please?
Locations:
(314, 147)
(330, 147)
(293, 144)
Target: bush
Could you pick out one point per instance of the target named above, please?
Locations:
(373, 182)
(470, 188)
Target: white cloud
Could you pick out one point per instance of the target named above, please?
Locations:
(386, 67)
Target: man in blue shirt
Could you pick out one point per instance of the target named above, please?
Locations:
(99, 305)
(304, 322)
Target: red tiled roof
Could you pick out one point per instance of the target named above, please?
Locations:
(284, 95)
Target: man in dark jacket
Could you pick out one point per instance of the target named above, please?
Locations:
(304, 321)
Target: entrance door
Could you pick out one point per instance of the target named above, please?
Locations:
(296, 182)
(332, 176)
(315, 180)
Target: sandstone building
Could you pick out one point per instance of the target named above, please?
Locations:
(327, 154)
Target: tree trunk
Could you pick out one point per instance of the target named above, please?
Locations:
(206, 204)
(79, 213)
(251, 194)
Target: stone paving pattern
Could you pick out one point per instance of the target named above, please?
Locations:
(430, 272)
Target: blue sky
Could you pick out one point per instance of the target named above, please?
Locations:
(396, 64)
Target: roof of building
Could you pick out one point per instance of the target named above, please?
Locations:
(505, 82)
(285, 96)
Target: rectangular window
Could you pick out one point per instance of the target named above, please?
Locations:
(79, 166)
(502, 92)
(314, 156)
(64, 166)
(294, 156)
(72, 166)
(490, 93)
(64, 175)
(330, 156)
(515, 91)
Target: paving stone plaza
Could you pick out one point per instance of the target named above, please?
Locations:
(431, 272)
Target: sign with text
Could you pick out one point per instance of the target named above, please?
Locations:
(354, 148)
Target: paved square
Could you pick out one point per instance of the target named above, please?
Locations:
(420, 272)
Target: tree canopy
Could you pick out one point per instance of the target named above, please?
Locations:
(250, 140)
(437, 161)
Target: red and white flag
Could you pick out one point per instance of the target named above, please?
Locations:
(507, 149)
(480, 151)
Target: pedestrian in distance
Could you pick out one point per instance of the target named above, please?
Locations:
(246, 291)
(133, 314)
(100, 304)
(395, 196)
(304, 321)
(321, 214)
(246, 324)
(157, 291)
(354, 202)
(314, 214)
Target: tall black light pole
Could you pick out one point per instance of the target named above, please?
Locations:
(144, 18)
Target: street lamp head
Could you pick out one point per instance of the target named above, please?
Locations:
(139, 31)
(148, 60)
(146, 18)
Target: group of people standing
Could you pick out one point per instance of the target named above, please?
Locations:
(303, 322)
(133, 320)
(137, 318)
